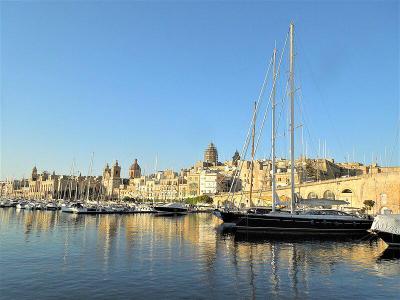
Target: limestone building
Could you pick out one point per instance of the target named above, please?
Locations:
(111, 180)
(211, 155)
(135, 170)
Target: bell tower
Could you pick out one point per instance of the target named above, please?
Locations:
(116, 171)
(34, 175)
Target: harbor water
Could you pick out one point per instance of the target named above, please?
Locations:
(47, 255)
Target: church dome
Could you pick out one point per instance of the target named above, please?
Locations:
(134, 170)
(135, 165)
(211, 154)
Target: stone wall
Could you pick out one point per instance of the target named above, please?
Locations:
(383, 188)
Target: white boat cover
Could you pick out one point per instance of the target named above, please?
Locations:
(387, 223)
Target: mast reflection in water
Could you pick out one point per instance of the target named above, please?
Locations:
(51, 254)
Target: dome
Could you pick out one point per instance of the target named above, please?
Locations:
(134, 170)
(135, 165)
(211, 154)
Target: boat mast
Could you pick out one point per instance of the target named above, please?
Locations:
(90, 171)
(253, 133)
(273, 132)
(291, 79)
(77, 188)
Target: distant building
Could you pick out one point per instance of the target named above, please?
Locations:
(112, 180)
(135, 170)
(211, 155)
(213, 182)
(235, 158)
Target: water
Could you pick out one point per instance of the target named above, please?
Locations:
(52, 254)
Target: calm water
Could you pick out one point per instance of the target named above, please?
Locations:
(53, 254)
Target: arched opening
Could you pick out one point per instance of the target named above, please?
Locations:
(312, 195)
(347, 195)
(329, 195)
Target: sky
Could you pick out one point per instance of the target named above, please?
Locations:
(126, 80)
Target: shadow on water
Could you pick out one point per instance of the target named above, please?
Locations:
(259, 237)
(390, 254)
(169, 215)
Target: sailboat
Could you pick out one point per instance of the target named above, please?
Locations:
(299, 222)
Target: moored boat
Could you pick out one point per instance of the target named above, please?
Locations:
(51, 206)
(387, 227)
(307, 222)
(21, 205)
(233, 216)
(144, 208)
(172, 208)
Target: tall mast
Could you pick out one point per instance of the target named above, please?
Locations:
(89, 173)
(273, 132)
(291, 70)
(253, 133)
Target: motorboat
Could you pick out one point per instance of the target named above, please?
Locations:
(172, 208)
(66, 207)
(51, 206)
(387, 227)
(30, 206)
(144, 208)
(21, 205)
(8, 203)
(73, 208)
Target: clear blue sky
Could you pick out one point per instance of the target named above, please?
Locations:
(135, 80)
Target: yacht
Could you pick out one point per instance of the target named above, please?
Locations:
(306, 222)
(72, 207)
(387, 227)
(66, 207)
(21, 205)
(51, 206)
(232, 215)
(315, 222)
(30, 206)
(172, 208)
(144, 208)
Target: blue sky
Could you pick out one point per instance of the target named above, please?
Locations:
(132, 80)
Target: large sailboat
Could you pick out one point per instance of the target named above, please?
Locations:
(305, 221)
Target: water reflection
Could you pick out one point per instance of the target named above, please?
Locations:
(144, 255)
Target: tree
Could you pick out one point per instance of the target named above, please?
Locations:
(369, 204)
(127, 198)
(199, 199)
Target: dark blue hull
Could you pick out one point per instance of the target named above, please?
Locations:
(302, 226)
